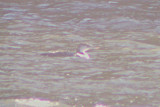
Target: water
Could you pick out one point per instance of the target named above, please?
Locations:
(123, 71)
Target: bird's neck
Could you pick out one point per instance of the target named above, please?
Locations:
(83, 55)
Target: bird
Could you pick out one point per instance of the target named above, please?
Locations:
(80, 52)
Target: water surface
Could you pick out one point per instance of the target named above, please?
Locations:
(123, 71)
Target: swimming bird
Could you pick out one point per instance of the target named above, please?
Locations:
(80, 52)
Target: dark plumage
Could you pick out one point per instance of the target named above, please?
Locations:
(80, 52)
(58, 54)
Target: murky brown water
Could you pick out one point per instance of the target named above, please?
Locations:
(123, 71)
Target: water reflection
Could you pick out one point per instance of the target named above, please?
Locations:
(31, 102)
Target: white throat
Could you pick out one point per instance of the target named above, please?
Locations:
(84, 55)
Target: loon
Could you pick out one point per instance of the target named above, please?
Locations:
(80, 52)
